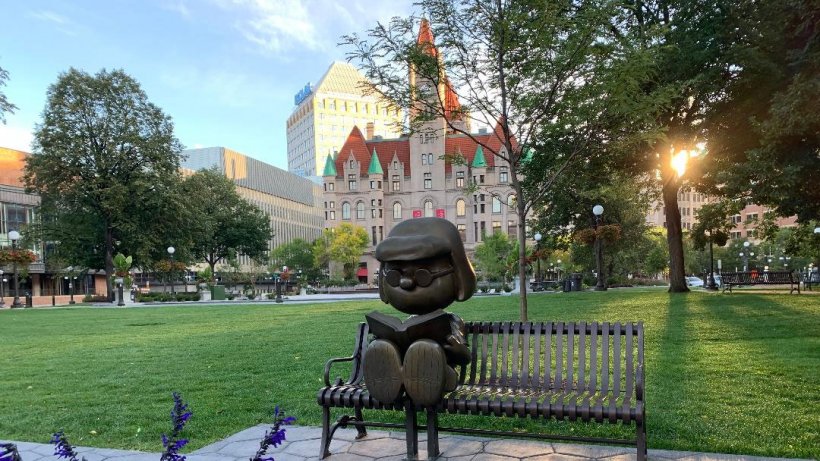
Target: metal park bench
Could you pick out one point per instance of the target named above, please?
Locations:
(761, 278)
(590, 372)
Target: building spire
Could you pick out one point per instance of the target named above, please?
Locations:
(375, 165)
(330, 166)
(478, 160)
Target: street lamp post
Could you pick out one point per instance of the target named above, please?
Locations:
(71, 285)
(537, 238)
(278, 276)
(14, 236)
(745, 256)
(710, 284)
(558, 267)
(2, 290)
(598, 210)
(171, 251)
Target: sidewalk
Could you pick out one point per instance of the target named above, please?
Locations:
(303, 444)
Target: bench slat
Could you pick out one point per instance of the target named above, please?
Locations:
(582, 352)
(536, 354)
(525, 359)
(559, 357)
(548, 357)
(568, 384)
(515, 357)
(593, 355)
(494, 355)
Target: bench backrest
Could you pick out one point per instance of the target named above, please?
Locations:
(749, 278)
(555, 355)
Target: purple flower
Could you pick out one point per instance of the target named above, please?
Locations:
(179, 416)
(275, 436)
(62, 448)
(8, 452)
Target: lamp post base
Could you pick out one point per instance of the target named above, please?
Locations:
(599, 288)
(16, 303)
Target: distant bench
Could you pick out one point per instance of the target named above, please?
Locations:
(576, 371)
(729, 279)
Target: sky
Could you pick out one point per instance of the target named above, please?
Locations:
(225, 71)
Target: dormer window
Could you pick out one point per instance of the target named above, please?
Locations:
(352, 164)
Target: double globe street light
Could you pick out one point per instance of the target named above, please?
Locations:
(14, 236)
(598, 211)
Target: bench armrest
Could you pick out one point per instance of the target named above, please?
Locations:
(329, 364)
(639, 384)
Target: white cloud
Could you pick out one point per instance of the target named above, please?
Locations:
(179, 7)
(16, 137)
(278, 26)
(62, 23)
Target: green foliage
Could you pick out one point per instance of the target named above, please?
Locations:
(764, 137)
(122, 264)
(714, 223)
(298, 256)
(5, 105)
(491, 257)
(105, 164)
(224, 223)
(344, 245)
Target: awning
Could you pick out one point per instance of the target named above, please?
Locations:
(362, 272)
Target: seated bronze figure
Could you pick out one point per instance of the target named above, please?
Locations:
(423, 270)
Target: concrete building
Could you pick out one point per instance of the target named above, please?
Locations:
(376, 183)
(326, 113)
(18, 209)
(293, 203)
(690, 202)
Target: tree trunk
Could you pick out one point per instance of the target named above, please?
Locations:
(109, 262)
(522, 245)
(674, 237)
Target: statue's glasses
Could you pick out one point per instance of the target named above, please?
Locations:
(421, 277)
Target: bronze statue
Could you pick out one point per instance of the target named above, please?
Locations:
(423, 270)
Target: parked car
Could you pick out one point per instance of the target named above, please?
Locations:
(694, 281)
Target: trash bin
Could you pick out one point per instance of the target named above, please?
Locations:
(218, 292)
(566, 284)
(576, 281)
(29, 300)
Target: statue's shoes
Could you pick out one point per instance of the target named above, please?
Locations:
(425, 372)
(382, 370)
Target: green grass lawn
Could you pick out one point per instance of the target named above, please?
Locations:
(733, 373)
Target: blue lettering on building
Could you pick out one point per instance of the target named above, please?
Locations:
(302, 94)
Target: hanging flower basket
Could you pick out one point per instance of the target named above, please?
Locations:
(19, 256)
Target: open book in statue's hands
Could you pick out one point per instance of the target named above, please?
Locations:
(435, 326)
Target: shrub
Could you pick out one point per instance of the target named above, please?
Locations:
(95, 299)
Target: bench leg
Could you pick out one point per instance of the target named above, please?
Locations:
(324, 446)
(641, 429)
(432, 434)
(411, 432)
(362, 431)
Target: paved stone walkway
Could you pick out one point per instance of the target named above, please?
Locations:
(303, 445)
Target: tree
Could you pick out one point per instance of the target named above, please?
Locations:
(344, 244)
(103, 154)
(5, 105)
(518, 66)
(298, 256)
(491, 257)
(682, 50)
(225, 224)
(764, 137)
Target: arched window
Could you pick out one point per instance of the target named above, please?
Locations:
(396, 210)
(359, 210)
(345, 210)
(461, 209)
(496, 205)
(352, 164)
(511, 202)
(428, 208)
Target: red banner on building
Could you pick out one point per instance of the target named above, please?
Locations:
(417, 213)
(439, 212)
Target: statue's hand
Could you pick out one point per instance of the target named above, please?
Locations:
(457, 350)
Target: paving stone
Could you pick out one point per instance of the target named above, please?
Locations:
(518, 448)
(591, 451)
(211, 457)
(669, 454)
(453, 447)
(298, 433)
(287, 457)
(350, 435)
(492, 457)
(245, 448)
(459, 458)
(556, 457)
(378, 448)
(29, 455)
(139, 457)
(111, 452)
(311, 447)
(251, 433)
(626, 457)
(401, 435)
(347, 457)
